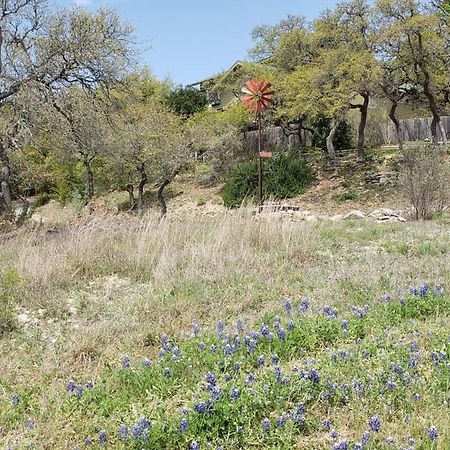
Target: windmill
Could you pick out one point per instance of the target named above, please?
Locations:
(256, 97)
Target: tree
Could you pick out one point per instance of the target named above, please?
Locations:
(78, 124)
(422, 49)
(348, 28)
(47, 50)
(186, 101)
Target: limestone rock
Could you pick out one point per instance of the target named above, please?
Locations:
(354, 215)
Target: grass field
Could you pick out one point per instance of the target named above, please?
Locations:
(231, 332)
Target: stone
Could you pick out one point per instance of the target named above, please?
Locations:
(23, 318)
(337, 217)
(37, 218)
(354, 215)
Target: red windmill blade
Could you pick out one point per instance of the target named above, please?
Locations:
(257, 95)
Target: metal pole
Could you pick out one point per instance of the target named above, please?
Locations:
(260, 164)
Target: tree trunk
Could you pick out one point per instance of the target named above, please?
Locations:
(130, 189)
(5, 179)
(141, 185)
(394, 118)
(362, 126)
(161, 199)
(429, 94)
(330, 147)
(89, 177)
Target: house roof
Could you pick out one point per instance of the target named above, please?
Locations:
(227, 72)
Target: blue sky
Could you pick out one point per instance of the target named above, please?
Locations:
(190, 40)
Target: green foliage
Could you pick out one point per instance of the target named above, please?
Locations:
(285, 175)
(186, 101)
(342, 139)
(345, 196)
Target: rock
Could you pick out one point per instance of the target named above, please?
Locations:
(337, 217)
(37, 218)
(401, 219)
(311, 219)
(23, 318)
(354, 215)
(383, 212)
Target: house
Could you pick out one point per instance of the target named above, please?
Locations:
(223, 88)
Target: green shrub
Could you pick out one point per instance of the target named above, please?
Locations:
(342, 140)
(285, 175)
(345, 196)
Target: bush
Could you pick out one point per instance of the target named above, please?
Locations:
(425, 179)
(9, 291)
(342, 139)
(285, 175)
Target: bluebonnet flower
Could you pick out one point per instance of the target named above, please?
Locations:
(433, 433)
(390, 440)
(194, 446)
(326, 425)
(416, 396)
(330, 312)
(236, 367)
(438, 290)
(126, 362)
(275, 359)
(424, 290)
(30, 424)
(291, 325)
(227, 377)
(237, 340)
(88, 441)
(70, 386)
(235, 393)
(265, 331)
(102, 437)
(147, 362)
(210, 379)
(304, 305)
(343, 445)
(391, 384)
(161, 352)
(251, 378)
(195, 328)
(183, 425)
(251, 345)
(265, 425)
(167, 373)
(281, 334)
(79, 390)
(202, 346)
(90, 384)
(314, 376)
(413, 291)
(141, 429)
(240, 325)
(411, 441)
(165, 343)
(228, 350)
(334, 434)
(176, 352)
(375, 423)
(385, 298)
(281, 420)
(15, 400)
(185, 411)
(220, 328)
(288, 306)
(202, 407)
(277, 372)
(358, 446)
(261, 360)
(123, 432)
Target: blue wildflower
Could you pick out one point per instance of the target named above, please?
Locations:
(126, 362)
(314, 376)
(165, 343)
(194, 446)
(334, 434)
(240, 325)
(281, 420)
(288, 306)
(281, 334)
(261, 360)
(304, 305)
(275, 359)
(211, 379)
(220, 328)
(358, 446)
(70, 386)
(375, 424)
(102, 437)
(433, 433)
(343, 445)
(167, 373)
(146, 362)
(291, 325)
(390, 440)
(265, 425)
(236, 367)
(326, 425)
(235, 393)
(123, 432)
(183, 425)
(88, 441)
(251, 378)
(30, 424)
(227, 377)
(195, 328)
(15, 400)
(202, 346)
(90, 384)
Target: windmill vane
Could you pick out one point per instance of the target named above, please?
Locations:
(257, 95)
